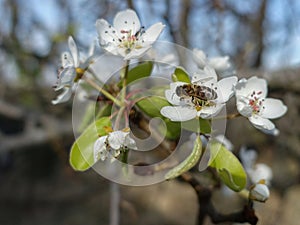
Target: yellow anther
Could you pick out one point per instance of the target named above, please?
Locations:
(108, 129)
(126, 129)
(79, 71)
(198, 107)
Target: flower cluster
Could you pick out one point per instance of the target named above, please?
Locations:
(220, 64)
(205, 96)
(252, 103)
(111, 145)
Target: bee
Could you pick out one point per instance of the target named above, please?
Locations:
(200, 95)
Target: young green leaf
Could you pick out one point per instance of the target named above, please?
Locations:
(173, 129)
(188, 163)
(228, 166)
(180, 75)
(152, 105)
(140, 71)
(81, 155)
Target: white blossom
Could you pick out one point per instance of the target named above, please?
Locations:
(252, 103)
(255, 171)
(211, 96)
(112, 144)
(127, 37)
(70, 71)
(220, 64)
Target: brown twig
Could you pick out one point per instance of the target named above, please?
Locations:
(206, 208)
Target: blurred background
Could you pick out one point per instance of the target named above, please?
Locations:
(37, 185)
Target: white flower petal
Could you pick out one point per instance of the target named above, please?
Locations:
(210, 111)
(178, 113)
(261, 171)
(127, 20)
(200, 58)
(64, 96)
(152, 33)
(226, 87)
(248, 157)
(206, 76)
(219, 63)
(66, 59)
(273, 132)
(211, 72)
(135, 53)
(74, 51)
(108, 38)
(274, 108)
(243, 107)
(66, 77)
(246, 87)
(116, 139)
(172, 97)
(100, 149)
(130, 143)
(261, 123)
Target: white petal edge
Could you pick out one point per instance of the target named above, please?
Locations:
(210, 111)
(246, 87)
(152, 33)
(178, 113)
(262, 123)
(226, 87)
(99, 146)
(243, 107)
(135, 53)
(106, 39)
(66, 59)
(219, 63)
(127, 20)
(74, 51)
(63, 97)
(116, 139)
(274, 108)
(66, 77)
(200, 58)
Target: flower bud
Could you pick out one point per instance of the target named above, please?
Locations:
(259, 192)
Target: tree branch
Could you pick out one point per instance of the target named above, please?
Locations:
(206, 208)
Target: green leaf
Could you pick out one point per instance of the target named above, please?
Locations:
(152, 105)
(173, 129)
(180, 75)
(81, 155)
(105, 110)
(194, 125)
(228, 166)
(140, 71)
(188, 163)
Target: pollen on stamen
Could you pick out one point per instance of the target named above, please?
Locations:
(198, 108)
